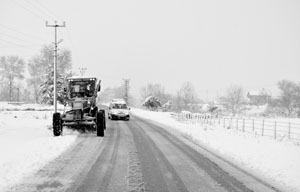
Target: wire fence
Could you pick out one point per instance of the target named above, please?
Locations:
(277, 129)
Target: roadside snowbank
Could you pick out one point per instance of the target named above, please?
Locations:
(27, 143)
(276, 161)
(15, 106)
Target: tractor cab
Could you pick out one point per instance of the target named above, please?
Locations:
(82, 87)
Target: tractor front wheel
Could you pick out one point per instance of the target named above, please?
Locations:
(57, 124)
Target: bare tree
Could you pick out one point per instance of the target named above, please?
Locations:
(11, 68)
(185, 98)
(289, 97)
(234, 99)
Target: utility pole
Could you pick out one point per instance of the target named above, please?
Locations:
(82, 70)
(55, 61)
(126, 86)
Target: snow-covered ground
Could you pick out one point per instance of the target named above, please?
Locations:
(15, 106)
(273, 160)
(27, 142)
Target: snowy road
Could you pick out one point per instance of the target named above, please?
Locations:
(138, 155)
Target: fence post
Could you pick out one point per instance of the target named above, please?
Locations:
(253, 125)
(224, 122)
(219, 120)
(244, 125)
(237, 123)
(263, 126)
(275, 126)
(289, 131)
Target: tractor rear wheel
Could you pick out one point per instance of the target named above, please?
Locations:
(104, 122)
(100, 123)
(57, 124)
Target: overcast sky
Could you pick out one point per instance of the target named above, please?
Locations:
(211, 43)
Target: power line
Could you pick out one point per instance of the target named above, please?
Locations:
(38, 9)
(20, 32)
(15, 48)
(14, 37)
(15, 44)
(72, 45)
(30, 11)
(40, 6)
(49, 11)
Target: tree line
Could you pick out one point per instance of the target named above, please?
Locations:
(287, 103)
(154, 96)
(233, 102)
(32, 81)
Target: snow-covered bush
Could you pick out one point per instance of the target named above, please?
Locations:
(152, 103)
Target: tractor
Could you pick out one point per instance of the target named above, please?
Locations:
(81, 111)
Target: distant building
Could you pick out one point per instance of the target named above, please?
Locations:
(259, 97)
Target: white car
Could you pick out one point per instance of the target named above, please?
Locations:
(118, 109)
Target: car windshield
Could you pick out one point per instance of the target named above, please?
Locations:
(82, 88)
(119, 106)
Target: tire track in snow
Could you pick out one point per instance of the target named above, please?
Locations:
(222, 177)
(159, 174)
(98, 178)
(135, 180)
(111, 164)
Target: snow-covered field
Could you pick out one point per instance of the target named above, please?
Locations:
(14, 106)
(275, 161)
(27, 142)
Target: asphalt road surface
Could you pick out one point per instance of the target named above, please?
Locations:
(139, 155)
